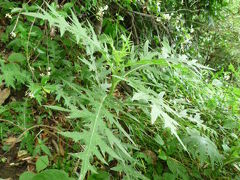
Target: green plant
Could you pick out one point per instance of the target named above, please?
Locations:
(45, 175)
(109, 104)
(99, 139)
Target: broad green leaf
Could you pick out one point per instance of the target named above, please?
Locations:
(45, 149)
(27, 176)
(100, 176)
(48, 174)
(51, 174)
(162, 155)
(42, 163)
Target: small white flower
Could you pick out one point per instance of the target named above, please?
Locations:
(188, 41)
(227, 77)
(42, 74)
(48, 73)
(100, 13)
(158, 19)
(101, 9)
(13, 34)
(49, 68)
(167, 16)
(105, 7)
(31, 95)
(8, 16)
(191, 30)
(178, 28)
(158, 6)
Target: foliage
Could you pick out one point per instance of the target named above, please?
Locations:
(103, 93)
(45, 175)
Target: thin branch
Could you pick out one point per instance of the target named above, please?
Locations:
(10, 122)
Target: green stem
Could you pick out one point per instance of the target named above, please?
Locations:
(115, 82)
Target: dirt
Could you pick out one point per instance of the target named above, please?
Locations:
(11, 168)
(11, 172)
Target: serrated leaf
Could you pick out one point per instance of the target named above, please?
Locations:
(58, 108)
(140, 96)
(90, 145)
(76, 136)
(155, 112)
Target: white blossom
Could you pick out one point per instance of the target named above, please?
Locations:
(8, 16)
(13, 34)
(158, 19)
(191, 30)
(31, 95)
(226, 77)
(166, 16)
(178, 28)
(101, 10)
(158, 6)
(105, 8)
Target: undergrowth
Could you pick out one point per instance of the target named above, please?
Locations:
(100, 108)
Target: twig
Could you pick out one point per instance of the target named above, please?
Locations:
(152, 17)
(189, 10)
(134, 28)
(10, 122)
(27, 49)
(15, 26)
(36, 126)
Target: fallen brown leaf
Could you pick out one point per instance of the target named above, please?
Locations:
(10, 141)
(61, 149)
(4, 94)
(152, 155)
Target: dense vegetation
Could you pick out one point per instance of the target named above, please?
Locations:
(114, 89)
